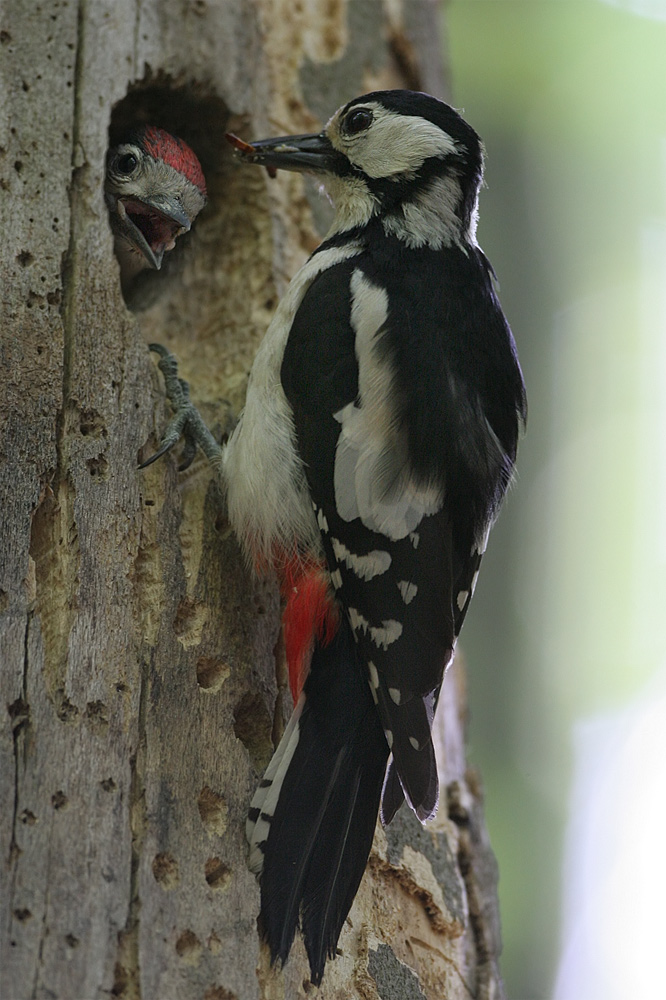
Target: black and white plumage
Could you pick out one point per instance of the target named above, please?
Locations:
(377, 442)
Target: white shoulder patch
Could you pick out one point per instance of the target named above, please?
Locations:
(372, 477)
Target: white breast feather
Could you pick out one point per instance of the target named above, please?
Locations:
(267, 494)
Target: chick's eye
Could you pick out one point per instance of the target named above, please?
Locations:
(357, 121)
(127, 163)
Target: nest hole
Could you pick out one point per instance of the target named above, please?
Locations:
(191, 112)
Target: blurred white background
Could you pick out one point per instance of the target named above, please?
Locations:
(565, 641)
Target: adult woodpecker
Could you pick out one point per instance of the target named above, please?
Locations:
(154, 190)
(378, 439)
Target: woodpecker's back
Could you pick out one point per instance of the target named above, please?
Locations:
(377, 442)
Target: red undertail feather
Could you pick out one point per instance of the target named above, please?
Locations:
(310, 611)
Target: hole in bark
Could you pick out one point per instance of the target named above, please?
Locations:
(19, 713)
(98, 467)
(96, 715)
(59, 800)
(189, 947)
(165, 870)
(200, 118)
(108, 784)
(65, 710)
(219, 993)
(211, 673)
(120, 980)
(213, 811)
(218, 875)
(214, 944)
(91, 423)
(185, 616)
(28, 817)
(71, 941)
(253, 726)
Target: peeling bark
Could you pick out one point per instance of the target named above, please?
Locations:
(143, 682)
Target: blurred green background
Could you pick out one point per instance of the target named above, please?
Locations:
(570, 99)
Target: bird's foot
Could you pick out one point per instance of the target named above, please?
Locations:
(186, 422)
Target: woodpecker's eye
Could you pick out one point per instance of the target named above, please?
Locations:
(357, 121)
(127, 163)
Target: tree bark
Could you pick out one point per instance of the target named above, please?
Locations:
(143, 683)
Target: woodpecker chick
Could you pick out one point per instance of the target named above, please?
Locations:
(154, 190)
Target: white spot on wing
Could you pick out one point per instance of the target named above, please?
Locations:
(358, 621)
(408, 590)
(321, 521)
(414, 742)
(395, 694)
(374, 676)
(414, 539)
(365, 567)
(382, 636)
(389, 737)
(389, 633)
(462, 598)
(336, 578)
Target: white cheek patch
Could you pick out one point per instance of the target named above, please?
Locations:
(399, 142)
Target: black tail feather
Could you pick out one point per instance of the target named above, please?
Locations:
(322, 828)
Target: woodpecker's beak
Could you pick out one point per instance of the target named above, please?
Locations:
(151, 225)
(309, 153)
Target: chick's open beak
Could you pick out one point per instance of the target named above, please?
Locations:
(152, 225)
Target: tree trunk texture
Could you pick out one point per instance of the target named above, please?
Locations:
(143, 683)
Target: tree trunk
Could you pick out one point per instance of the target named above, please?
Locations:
(143, 682)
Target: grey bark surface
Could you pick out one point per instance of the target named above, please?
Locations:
(142, 683)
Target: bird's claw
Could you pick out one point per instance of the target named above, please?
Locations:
(186, 422)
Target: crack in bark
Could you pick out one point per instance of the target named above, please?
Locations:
(67, 310)
(127, 978)
(20, 715)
